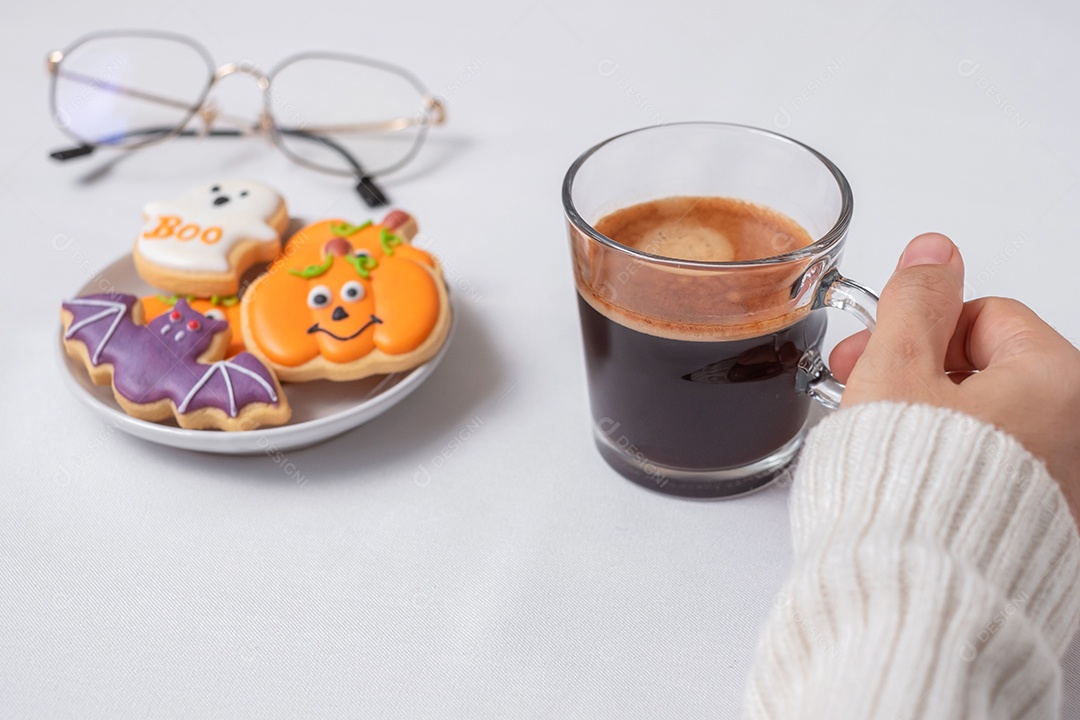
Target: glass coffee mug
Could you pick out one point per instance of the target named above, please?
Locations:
(701, 373)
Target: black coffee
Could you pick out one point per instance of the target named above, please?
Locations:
(674, 402)
(694, 405)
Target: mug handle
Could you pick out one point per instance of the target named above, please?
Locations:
(836, 291)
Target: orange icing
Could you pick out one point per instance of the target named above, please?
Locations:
(170, 225)
(399, 303)
(154, 306)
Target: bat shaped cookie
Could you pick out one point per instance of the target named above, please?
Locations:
(173, 366)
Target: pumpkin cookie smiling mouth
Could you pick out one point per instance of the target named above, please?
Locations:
(375, 320)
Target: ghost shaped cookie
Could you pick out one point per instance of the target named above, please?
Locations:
(203, 242)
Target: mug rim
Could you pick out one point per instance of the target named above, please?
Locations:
(823, 244)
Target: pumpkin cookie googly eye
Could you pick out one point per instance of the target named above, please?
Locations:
(319, 297)
(352, 291)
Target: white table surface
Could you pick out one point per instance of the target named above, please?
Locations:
(526, 579)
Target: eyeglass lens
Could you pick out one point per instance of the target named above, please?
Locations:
(374, 112)
(129, 90)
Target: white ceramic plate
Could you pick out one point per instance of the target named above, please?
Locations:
(321, 409)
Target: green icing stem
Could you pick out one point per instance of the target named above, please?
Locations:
(388, 241)
(363, 264)
(312, 271)
(225, 300)
(344, 229)
(170, 300)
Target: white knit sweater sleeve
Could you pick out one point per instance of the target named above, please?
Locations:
(935, 576)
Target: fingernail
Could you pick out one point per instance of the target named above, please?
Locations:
(929, 249)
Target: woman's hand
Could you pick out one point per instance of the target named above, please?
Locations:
(992, 358)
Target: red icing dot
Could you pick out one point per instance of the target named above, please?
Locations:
(174, 315)
(193, 325)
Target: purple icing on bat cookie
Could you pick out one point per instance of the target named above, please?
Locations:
(160, 360)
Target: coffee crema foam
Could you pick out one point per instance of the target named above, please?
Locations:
(690, 304)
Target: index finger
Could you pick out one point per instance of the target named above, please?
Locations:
(991, 330)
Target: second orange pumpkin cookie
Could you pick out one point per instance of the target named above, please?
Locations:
(343, 302)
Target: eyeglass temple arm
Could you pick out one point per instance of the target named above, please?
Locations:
(369, 192)
(434, 114)
(372, 195)
(88, 148)
(85, 149)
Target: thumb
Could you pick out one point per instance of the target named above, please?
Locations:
(919, 309)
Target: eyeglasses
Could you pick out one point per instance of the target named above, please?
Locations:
(327, 111)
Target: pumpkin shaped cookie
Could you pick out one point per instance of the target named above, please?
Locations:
(343, 302)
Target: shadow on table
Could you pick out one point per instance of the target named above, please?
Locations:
(388, 448)
(439, 150)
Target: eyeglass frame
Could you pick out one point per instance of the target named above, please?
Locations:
(433, 110)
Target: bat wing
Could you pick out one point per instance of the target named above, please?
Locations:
(231, 385)
(95, 320)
